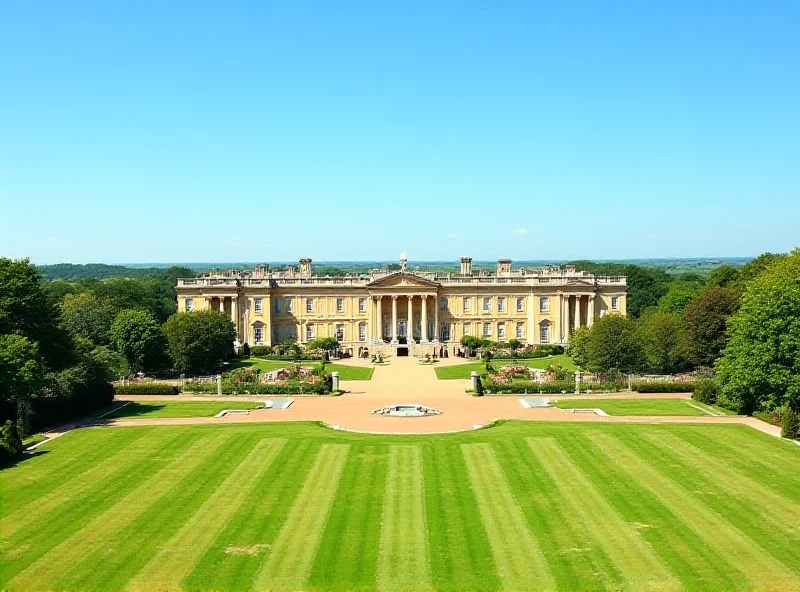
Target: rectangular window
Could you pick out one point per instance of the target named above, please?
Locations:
(189, 305)
(501, 304)
(309, 331)
(520, 304)
(340, 332)
(615, 303)
(466, 329)
(277, 305)
(362, 305)
(520, 330)
(257, 303)
(362, 331)
(501, 331)
(309, 305)
(445, 331)
(443, 304)
(487, 329)
(289, 305)
(487, 305)
(544, 304)
(276, 334)
(466, 303)
(258, 335)
(291, 332)
(340, 305)
(544, 334)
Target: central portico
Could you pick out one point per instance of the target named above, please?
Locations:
(404, 311)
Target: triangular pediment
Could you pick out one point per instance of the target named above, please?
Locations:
(402, 279)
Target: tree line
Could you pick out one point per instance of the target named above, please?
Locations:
(62, 342)
(741, 325)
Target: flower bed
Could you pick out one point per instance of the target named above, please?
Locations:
(662, 386)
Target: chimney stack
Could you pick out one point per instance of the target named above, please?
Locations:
(305, 267)
(503, 266)
(466, 266)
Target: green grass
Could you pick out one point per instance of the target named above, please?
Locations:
(346, 372)
(519, 506)
(633, 406)
(156, 409)
(462, 371)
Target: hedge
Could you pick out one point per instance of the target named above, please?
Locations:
(662, 386)
(152, 388)
(530, 387)
(228, 388)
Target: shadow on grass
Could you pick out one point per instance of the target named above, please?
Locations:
(134, 409)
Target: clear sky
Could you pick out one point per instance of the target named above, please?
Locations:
(226, 131)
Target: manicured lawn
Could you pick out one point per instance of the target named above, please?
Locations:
(350, 372)
(462, 371)
(155, 409)
(346, 372)
(520, 506)
(633, 406)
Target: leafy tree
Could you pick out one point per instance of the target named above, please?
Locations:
(328, 344)
(21, 375)
(26, 309)
(705, 320)
(113, 362)
(755, 268)
(137, 336)
(199, 342)
(89, 316)
(724, 276)
(663, 342)
(578, 346)
(613, 344)
(679, 294)
(760, 365)
(156, 297)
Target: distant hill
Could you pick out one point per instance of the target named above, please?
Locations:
(71, 271)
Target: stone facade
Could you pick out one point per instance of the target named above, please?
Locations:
(405, 311)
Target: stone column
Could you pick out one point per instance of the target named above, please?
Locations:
(590, 312)
(235, 316)
(380, 319)
(577, 323)
(394, 319)
(436, 319)
(531, 319)
(370, 319)
(563, 311)
(424, 324)
(410, 323)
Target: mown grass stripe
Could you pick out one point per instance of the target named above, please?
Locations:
(290, 559)
(80, 544)
(458, 550)
(238, 552)
(49, 528)
(639, 565)
(763, 570)
(772, 508)
(178, 556)
(517, 554)
(403, 557)
(347, 556)
(62, 458)
(573, 556)
(781, 474)
(70, 489)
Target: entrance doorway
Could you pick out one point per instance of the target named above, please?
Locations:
(401, 330)
(402, 352)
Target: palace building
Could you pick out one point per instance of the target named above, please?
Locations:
(406, 312)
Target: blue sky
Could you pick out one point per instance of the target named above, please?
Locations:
(192, 131)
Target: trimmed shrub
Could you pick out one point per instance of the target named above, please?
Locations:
(151, 388)
(289, 388)
(261, 350)
(10, 442)
(705, 391)
(790, 426)
(531, 388)
(662, 386)
(479, 387)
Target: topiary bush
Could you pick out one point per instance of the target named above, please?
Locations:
(149, 388)
(706, 391)
(261, 350)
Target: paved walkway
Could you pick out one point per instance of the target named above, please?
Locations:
(405, 380)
